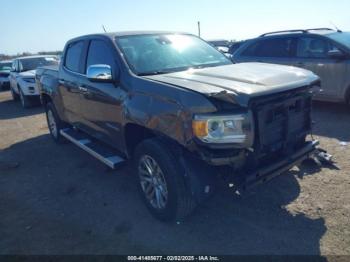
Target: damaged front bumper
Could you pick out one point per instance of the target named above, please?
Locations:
(243, 181)
(202, 178)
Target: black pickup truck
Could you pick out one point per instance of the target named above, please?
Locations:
(181, 111)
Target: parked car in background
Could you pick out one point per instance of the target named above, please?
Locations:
(5, 69)
(221, 44)
(181, 111)
(324, 51)
(22, 77)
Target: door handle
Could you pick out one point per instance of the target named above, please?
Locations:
(83, 89)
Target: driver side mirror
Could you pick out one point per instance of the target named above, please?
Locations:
(100, 73)
(336, 54)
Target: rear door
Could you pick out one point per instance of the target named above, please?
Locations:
(101, 102)
(312, 54)
(277, 50)
(70, 79)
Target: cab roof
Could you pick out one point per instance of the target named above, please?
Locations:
(113, 35)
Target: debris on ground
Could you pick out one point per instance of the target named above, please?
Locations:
(322, 157)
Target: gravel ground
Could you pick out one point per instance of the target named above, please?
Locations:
(60, 200)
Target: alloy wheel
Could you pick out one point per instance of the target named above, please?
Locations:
(21, 96)
(52, 123)
(153, 182)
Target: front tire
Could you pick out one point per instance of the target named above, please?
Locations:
(161, 181)
(24, 99)
(15, 96)
(54, 123)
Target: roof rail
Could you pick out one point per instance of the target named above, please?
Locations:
(325, 29)
(285, 31)
(301, 31)
(320, 29)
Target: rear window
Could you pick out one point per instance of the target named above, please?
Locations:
(73, 56)
(279, 47)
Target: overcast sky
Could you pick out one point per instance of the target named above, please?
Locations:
(41, 25)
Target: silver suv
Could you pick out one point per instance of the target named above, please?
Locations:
(324, 51)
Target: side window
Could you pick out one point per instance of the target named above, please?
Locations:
(99, 53)
(314, 47)
(278, 47)
(14, 67)
(73, 56)
(19, 66)
(250, 50)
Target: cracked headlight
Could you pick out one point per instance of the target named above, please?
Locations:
(234, 129)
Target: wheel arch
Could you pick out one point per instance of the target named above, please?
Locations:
(45, 99)
(134, 134)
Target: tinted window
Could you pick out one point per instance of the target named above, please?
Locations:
(312, 47)
(343, 38)
(279, 47)
(73, 56)
(235, 47)
(99, 53)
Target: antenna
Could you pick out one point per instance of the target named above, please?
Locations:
(199, 28)
(104, 29)
(338, 30)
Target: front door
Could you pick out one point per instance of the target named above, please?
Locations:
(101, 106)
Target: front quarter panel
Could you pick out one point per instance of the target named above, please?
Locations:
(28, 89)
(165, 109)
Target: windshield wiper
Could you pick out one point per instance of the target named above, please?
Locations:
(207, 65)
(153, 73)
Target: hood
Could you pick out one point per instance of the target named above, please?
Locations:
(238, 83)
(30, 73)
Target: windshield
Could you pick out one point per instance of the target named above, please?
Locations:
(156, 54)
(5, 66)
(34, 63)
(342, 38)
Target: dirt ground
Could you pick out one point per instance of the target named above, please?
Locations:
(60, 200)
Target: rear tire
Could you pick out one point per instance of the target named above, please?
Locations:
(54, 123)
(159, 171)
